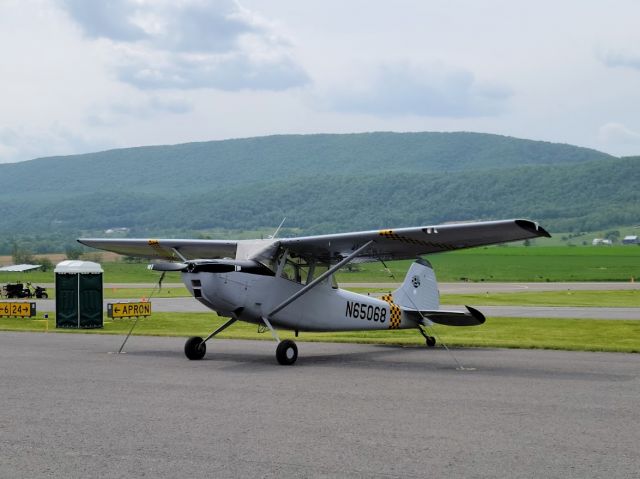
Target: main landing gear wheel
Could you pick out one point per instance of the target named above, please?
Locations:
(195, 348)
(286, 352)
(431, 341)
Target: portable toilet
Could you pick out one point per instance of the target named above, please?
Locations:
(78, 294)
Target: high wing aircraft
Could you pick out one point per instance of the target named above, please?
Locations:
(288, 283)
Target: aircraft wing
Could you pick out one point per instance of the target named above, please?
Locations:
(165, 248)
(390, 244)
(408, 243)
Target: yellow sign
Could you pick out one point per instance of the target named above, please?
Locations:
(23, 310)
(128, 310)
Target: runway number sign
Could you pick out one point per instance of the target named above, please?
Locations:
(128, 310)
(15, 309)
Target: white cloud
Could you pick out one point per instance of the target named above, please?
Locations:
(109, 19)
(120, 73)
(231, 72)
(617, 133)
(18, 144)
(190, 44)
(435, 91)
(614, 59)
(145, 107)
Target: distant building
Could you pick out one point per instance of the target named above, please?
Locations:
(631, 239)
(601, 242)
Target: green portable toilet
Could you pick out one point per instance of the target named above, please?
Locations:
(78, 294)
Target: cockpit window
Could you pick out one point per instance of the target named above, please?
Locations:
(295, 271)
(303, 272)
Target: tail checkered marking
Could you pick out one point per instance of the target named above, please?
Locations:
(396, 313)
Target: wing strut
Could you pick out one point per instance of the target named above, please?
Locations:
(319, 279)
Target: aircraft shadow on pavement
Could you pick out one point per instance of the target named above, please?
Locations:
(391, 358)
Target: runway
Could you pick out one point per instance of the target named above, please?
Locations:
(70, 409)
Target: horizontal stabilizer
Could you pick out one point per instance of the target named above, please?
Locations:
(451, 318)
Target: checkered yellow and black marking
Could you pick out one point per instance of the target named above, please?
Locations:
(389, 234)
(155, 244)
(395, 317)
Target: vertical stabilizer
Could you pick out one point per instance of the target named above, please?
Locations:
(419, 289)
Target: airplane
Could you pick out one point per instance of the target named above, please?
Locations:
(289, 283)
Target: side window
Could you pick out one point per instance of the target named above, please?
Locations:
(291, 271)
(295, 270)
(321, 268)
(300, 271)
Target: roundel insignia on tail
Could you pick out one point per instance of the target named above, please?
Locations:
(415, 281)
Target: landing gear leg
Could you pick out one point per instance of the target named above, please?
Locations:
(431, 341)
(287, 351)
(195, 348)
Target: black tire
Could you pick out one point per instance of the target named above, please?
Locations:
(287, 352)
(431, 341)
(195, 348)
(44, 296)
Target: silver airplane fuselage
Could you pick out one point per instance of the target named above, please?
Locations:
(251, 297)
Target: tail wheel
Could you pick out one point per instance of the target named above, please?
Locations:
(195, 348)
(431, 341)
(286, 352)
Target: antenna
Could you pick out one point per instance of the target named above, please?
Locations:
(277, 229)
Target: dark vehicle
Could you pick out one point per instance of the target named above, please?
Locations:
(39, 292)
(18, 290)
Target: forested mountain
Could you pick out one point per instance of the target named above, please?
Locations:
(321, 183)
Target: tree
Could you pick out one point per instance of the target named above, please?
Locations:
(613, 235)
(45, 264)
(21, 255)
(73, 252)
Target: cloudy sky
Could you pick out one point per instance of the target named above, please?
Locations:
(79, 76)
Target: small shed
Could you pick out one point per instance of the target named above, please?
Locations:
(631, 239)
(79, 294)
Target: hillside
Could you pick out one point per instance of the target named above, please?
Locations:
(208, 165)
(322, 183)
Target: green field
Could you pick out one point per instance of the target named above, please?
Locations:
(516, 264)
(506, 263)
(567, 334)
